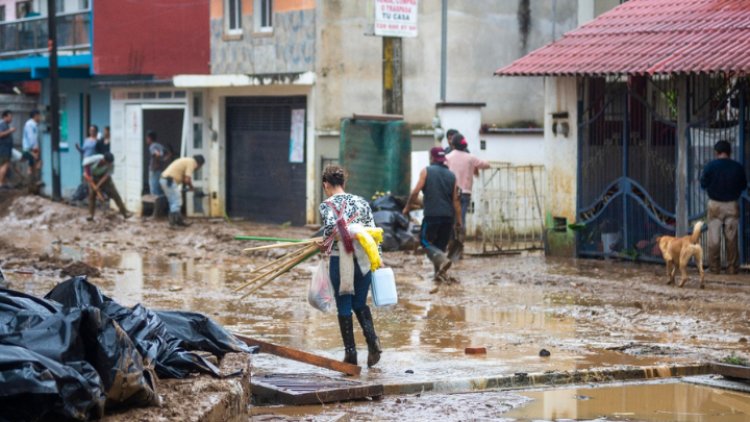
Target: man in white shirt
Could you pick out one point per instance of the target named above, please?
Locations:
(31, 151)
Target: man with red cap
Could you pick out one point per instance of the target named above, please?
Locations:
(442, 209)
(465, 166)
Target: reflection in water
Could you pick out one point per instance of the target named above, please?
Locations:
(648, 402)
(128, 288)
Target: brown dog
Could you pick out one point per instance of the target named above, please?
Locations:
(678, 251)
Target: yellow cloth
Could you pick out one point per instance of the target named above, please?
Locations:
(180, 168)
(369, 239)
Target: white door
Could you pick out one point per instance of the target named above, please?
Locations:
(129, 165)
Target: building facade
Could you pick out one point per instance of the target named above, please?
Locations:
(284, 73)
(101, 45)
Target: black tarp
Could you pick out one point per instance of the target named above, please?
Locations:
(72, 354)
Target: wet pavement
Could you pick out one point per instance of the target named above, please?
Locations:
(587, 313)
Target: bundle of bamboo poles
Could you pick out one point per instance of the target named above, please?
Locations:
(269, 272)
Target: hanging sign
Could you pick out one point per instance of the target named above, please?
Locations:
(396, 18)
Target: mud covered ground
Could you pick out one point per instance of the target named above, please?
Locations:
(587, 313)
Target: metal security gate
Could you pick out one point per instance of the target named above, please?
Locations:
(627, 166)
(628, 159)
(263, 184)
(718, 111)
(507, 201)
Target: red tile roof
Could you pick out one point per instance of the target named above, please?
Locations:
(649, 37)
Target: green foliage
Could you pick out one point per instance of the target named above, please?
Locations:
(736, 360)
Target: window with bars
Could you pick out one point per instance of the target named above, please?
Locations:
(263, 15)
(233, 16)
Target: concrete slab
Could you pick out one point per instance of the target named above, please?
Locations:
(718, 381)
(199, 398)
(524, 380)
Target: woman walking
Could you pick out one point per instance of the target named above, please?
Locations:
(338, 211)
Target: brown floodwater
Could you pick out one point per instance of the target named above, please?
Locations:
(424, 335)
(647, 402)
(503, 304)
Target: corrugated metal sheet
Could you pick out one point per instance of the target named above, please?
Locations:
(649, 37)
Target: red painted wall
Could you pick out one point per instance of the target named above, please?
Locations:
(151, 37)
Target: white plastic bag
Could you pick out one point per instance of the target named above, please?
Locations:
(320, 291)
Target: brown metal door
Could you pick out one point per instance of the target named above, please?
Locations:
(262, 184)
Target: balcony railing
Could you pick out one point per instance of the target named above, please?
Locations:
(29, 36)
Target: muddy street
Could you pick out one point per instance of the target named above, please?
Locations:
(586, 313)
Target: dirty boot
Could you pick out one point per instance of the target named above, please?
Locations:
(439, 260)
(179, 220)
(347, 335)
(364, 316)
(172, 219)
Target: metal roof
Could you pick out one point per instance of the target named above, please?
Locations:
(649, 37)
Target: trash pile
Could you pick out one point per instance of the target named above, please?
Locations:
(398, 232)
(77, 352)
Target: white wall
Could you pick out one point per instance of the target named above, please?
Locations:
(561, 152)
(514, 148)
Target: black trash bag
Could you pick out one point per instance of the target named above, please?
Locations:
(74, 336)
(401, 221)
(384, 219)
(12, 301)
(387, 203)
(144, 327)
(33, 387)
(119, 364)
(199, 332)
(407, 240)
(390, 241)
(77, 292)
(157, 346)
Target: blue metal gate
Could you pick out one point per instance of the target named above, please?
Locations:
(628, 158)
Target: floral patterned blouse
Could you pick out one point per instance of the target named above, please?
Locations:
(354, 205)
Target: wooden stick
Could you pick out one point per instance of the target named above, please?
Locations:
(268, 239)
(281, 271)
(275, 266)
(283, 245)
(300, 356)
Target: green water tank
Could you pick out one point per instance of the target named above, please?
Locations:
(377, 156)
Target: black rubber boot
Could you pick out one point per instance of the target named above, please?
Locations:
(347, 335)
(364, 316)
(439, 260)
(172, 221)
(179, 220)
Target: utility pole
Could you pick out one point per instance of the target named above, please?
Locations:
(54, 99)
(393, 94)
(443, 50)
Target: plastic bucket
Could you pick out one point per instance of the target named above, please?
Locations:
(384, 287)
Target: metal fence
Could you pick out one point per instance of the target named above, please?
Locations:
(628, 158)
(507, 207)
(627, 166)
(29, 36)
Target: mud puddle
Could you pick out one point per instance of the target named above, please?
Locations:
(651, 402)
(647, 402)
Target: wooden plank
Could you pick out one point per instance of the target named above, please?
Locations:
(300, 356)
(731, 371)
(305, 389)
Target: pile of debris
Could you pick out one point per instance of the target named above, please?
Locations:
(399, 233)
(76, 352)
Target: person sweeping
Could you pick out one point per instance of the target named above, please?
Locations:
(350, 283)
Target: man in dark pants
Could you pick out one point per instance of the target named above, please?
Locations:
(724, 180)
(102, 167)
(442, 209)
(6, 145)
